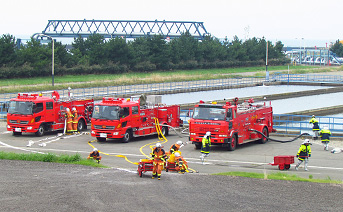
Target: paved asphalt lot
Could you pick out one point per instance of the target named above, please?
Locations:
(37, 186)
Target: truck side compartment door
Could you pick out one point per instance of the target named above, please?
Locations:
(50, 113)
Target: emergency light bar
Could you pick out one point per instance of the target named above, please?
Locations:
(27, 96)
(113, 100)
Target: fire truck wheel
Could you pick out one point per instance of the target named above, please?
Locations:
(233, 144)
(165, 131)
(101, 139)
(128, 136)
(81, 125)
(265, 132)
(40, 131)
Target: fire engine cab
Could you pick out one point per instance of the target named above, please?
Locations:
(231, 124)
(36, 113)
(133, 117)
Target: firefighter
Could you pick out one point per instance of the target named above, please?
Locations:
(95, 155)
(176, 147)
(159, 156)
(69, 117)
(325, 137)
(75, 117)
(206, 145)
(180, 163)
(315, 127)
(304, 153)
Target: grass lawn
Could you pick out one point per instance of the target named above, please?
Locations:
(94, 80)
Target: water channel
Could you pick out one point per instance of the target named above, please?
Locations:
(282, 106)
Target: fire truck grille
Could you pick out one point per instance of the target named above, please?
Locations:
(102, 127)
(18, 122)
(205, 129)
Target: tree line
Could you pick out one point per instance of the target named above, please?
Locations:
(337, 48)
(97, 55)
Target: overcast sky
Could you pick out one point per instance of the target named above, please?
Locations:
(316, 21)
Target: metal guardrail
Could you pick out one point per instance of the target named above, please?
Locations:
(297, 124)
(307, 78)
(149, 88)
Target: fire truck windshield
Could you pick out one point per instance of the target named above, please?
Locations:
(209, 113)
(20, 107)
(106, 112)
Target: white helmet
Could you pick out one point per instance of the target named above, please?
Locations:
(179, 143)
(306, 141)
(208, 133)
(67, 109)
(73, 109)
(158, 145)
(177, 154)
(95, 150)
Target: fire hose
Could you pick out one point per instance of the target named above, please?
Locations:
(161, 137)
(302, 134)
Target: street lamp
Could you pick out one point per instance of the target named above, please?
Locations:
(53, 54)
(267, 72)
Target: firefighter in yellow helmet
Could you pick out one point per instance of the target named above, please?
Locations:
(303, 154)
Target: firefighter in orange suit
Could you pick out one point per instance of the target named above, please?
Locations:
(74, 112)
(180, 163)
(159, 156)
(176, 147)
(95, 155)
(69, 117)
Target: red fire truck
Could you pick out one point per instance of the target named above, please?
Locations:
(38, 113)
(133, 117)
(231, 124)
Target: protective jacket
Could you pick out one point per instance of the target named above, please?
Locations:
(174, 147)
(180, 164)
(159, 154)
(304, 152)
(75, 117)
(160, 157)
(325, 135)
(315, 123)
(95, 155)
(206, 145)
(69, 117)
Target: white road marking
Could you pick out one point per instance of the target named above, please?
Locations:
(126, 170)
(19, 148)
